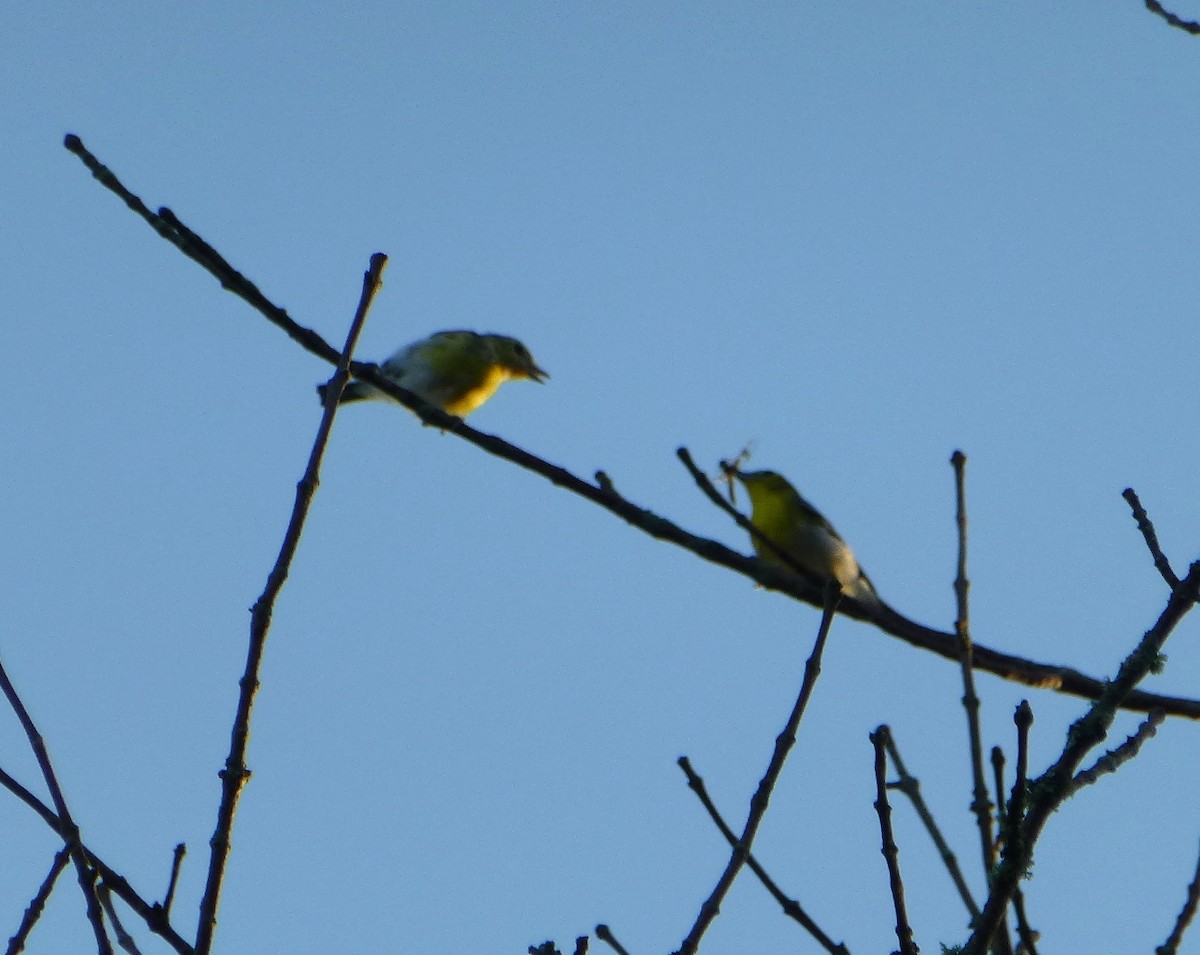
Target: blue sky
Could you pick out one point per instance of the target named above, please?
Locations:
(862, 236)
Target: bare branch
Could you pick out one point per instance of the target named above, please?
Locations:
(33, 911)
(911, 787)
(124, 939)
(69, 831)
(235, 773)
(790, 907)
(762, 796)
(981, 804)
(1187, 26)
(153, 915)
(1046, 676)
(1148, 532)
(604, 933)
(1111, 761)
(176, 865)
(1171, 945)
(890, 851)
(1050, 789)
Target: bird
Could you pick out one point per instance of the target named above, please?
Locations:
(456, 371)
(779, 513)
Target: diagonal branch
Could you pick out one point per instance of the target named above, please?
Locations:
(152, 914)
(1147, 528)
(762, 796)
(235, 774)
(33, 911)
(911, 787)
(69, 830)
(1045, 675)
(790, 907)
(1184, 919)
(1187, 26)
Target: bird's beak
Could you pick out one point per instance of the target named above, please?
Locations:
(536, 374)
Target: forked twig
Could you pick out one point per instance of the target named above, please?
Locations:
(790, 907)
(68, 829)
(1048, 791)
(911, 787)
(235, 774)
(762, 796)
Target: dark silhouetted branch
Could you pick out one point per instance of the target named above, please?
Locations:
(1187, 26)
(235, 773)
(1046, 676)
(1171, 945)
(891, 852)
(911, 787)
(1048, 791)
(762, 796)
(153, 915)
(790, 906)
(33, 911)
(1151, 537)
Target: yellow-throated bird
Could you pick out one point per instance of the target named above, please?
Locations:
(779, 512)
(455, 371)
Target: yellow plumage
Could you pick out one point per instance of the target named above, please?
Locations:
(796, 527)
(456, 371)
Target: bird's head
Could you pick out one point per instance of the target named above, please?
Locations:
(765, 485)
(511, 355)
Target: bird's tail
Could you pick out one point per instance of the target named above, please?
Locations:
(354, 391)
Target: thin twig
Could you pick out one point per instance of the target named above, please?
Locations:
(981, 804)
(176, 865)
(124, 939)
(1048, 791)
(1111, 761)
(235, 774)
(1171, 945)
(69, 830)
(791, 907)
(911, 787)
(1024, 932)
(33, 911)
(604, 933)
(762, 796)
(1047, 676)
(1187, 26)
(1151, 536)
(1013, 815)
(891, 852)
(581, 945)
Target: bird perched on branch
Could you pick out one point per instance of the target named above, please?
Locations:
(455, 371)
(779, 512)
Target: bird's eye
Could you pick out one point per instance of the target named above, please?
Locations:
(520, 349)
